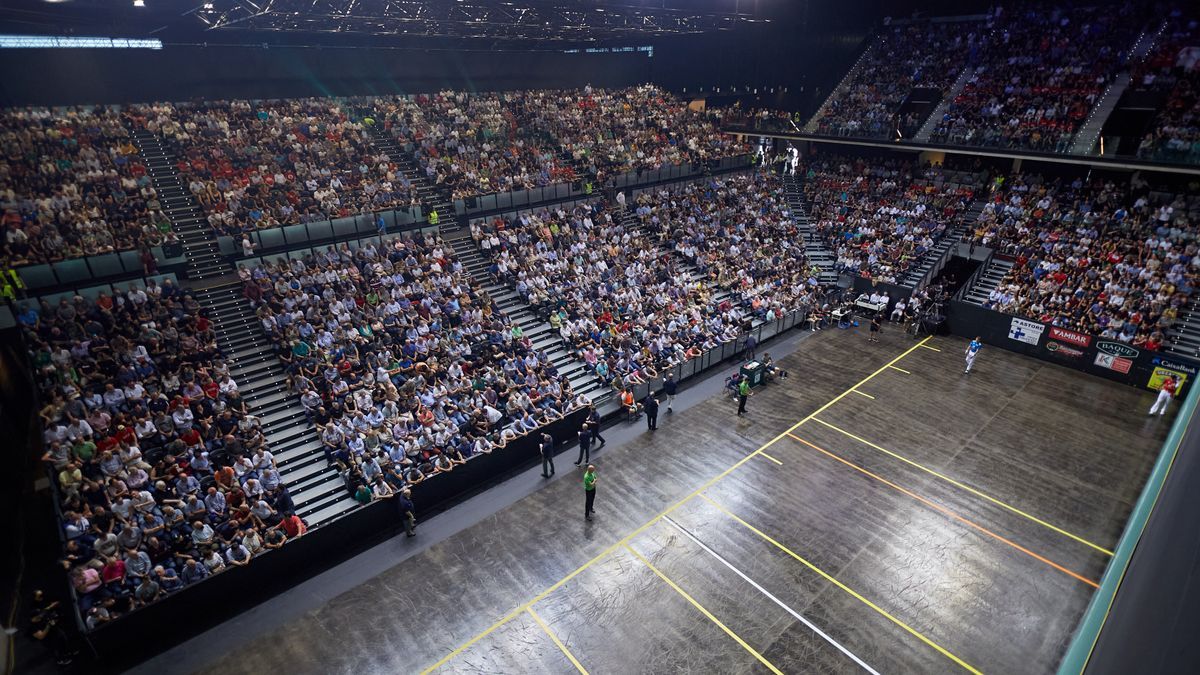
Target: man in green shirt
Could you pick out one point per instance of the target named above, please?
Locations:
(589, 490)
(743, 390)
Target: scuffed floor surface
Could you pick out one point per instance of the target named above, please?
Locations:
(879, 511)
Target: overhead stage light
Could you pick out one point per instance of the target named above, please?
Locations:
(139, 3)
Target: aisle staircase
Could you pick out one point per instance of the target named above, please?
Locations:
(988, 280)
(935, 117)
(432, 197)
(935, 259)
(1183, 337)
(316, 488)
(1089, 134)
(811, 126)
(204, 259)
(814, 248)
(537, 329)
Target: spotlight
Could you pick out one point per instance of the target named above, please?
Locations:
(139, 3)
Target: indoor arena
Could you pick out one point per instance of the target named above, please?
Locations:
(885, 307)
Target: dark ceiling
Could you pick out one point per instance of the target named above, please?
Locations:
(476, 24)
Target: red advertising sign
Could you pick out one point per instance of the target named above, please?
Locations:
(1121, 365)
(1070, 336)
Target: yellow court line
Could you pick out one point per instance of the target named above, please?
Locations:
(862, 394)
(900, 369)
(942, 509)
(882, 612)
(561, 646)
(968, 488)
(704, 611)
(621, 542)
(935, 349)
(771, 458)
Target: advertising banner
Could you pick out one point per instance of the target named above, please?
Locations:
(1103, 357)
(1160, 373)
(1070, 336)
(1029, 332)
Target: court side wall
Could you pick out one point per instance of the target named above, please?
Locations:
(1109, 359)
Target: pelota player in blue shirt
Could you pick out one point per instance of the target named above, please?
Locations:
(972, 352)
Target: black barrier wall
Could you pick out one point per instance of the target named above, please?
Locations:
(217, 598)
(1110, 359)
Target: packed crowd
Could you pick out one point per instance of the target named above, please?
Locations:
(610, 283)
(1172, 69)
(881, 217)
(474, 144)
(902, 58)
(1093, 256)
(163, 476)
(263, 164)
(1039, 74)
(402, 362)
(72, 184)
(611, 131)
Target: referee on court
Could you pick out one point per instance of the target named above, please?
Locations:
(589, 491)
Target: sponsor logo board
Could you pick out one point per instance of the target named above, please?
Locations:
(1029, 332)
(1070, 336)
(1160, 373)
(1118, 349)
(1063, 350)
(1174, 364)
(1117, 363)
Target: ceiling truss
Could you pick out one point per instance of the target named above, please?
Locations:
(578, 21)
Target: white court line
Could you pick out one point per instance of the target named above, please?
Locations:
(773, 599)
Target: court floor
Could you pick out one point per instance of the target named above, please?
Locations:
(878, 511)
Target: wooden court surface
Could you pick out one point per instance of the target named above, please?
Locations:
(879, 511)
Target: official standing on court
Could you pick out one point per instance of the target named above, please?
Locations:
(972, 352)
(407, 512)
(875, 326)
(650, 405)
(1165, 393)
(670, 388)
(585, 445)
(589, 491)
(593, 424)
(743, 390)
(547, 449)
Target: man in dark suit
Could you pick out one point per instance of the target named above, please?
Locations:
(650, 405)
(585, 445)
(593, 423)
(547, 449)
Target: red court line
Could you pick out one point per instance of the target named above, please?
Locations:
(950, 513)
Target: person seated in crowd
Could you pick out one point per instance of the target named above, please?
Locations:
(1091, 256)
(74, 185)
(1038, 76)
(880, 217)
(145, 438)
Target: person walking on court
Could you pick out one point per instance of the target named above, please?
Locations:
(1166, 392)
(593, 423)
(750, 347)
(670, 388)
(585, 445)
(407, 512)
(589, 491)
(875, 326)
(650, 405)
(972, 352)
(743, 392)
(547, 449)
